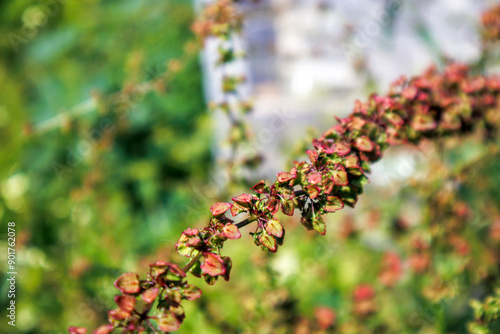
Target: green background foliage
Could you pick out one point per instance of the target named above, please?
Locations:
(101, 190)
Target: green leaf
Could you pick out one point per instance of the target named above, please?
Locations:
(360, 181)
(340, 177)
(178, 312)
(319, 225)
(210, 280)
(191, 292)
(355, 170)
(128, 283)
(118, 314)
(182, 246)
(348, 196)
(268, 241)
(274, 228)
(333, 203)
(196, 269)
(363, 143)
(213, 264)
(158, 268)
(327, 187)
(366, 166)
(218, 209)
(287, 207)
(168, 322)
(243, 199)
(125, 303)
(175, 270)
(351, 161)
(342, 148)
(184, 250)
(273, 205)
(394, 118)
(231, 231)
(314, 178)
(261, 187)
(423, 122)
(307, 223)
(285, 177)
(238, 208)
(287, 192)
(314, 191)
(150, 295)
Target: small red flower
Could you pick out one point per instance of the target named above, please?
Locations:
(219, 209)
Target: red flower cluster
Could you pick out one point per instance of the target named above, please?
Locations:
(206, 243)
(420, 260)
(218, 19)
(165, 284)
(392, 269)
(363, 299)
(491, 24)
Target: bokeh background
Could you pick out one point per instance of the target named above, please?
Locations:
(102, 168)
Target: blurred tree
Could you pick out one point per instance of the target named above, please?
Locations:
(95, 187)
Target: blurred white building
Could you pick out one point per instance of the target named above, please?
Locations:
(310, 59)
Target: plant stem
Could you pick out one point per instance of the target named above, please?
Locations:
(191, 263)
(247, 221)
(299, 193)
(239, 225)
(152, 327)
